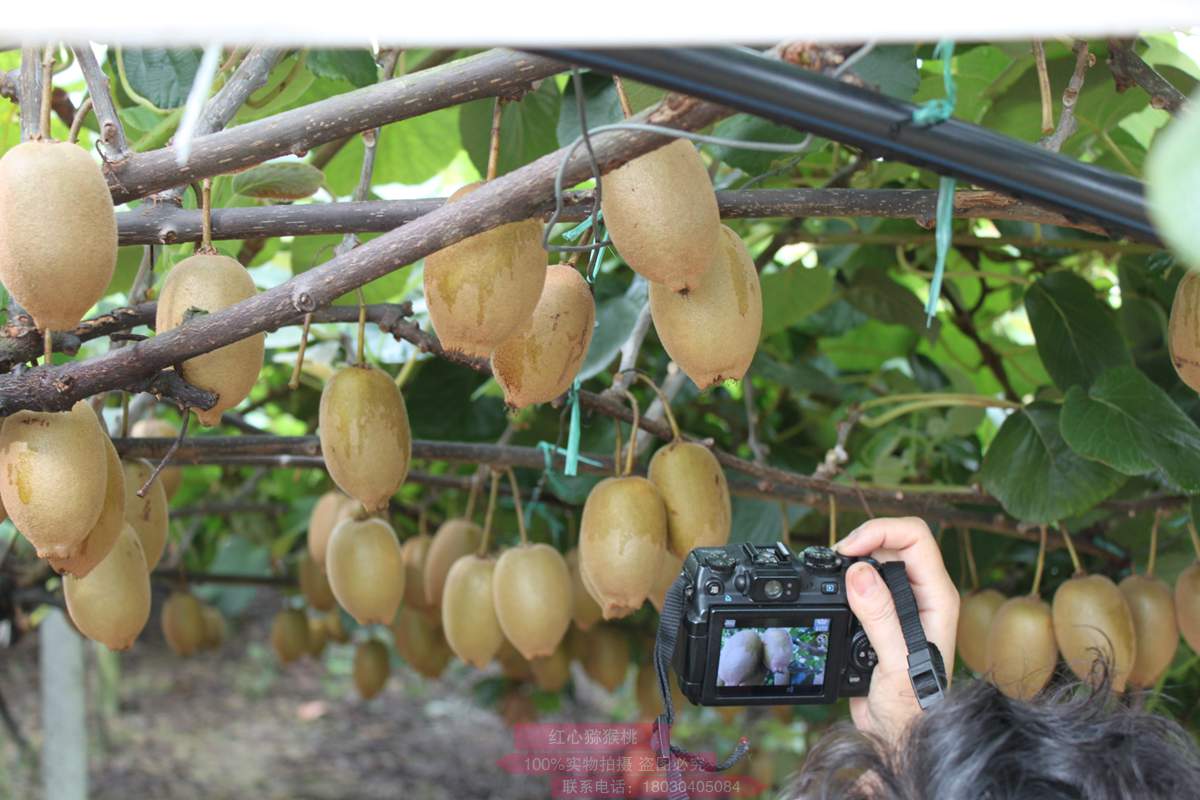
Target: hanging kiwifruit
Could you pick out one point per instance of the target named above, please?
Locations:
(661, 212)
(317, 636)
(214, 628)
(1187, 605)
(712, 329)
(289, 635)
(420, 642)
(365, 570)
(538, 362)
(622, 539)
(606, 656)
(1183, 330)
(314, 584)
(371, 668)
(1021, 649)
(183, 623)
(481, 289)
(104, 533)
(513, 665)
(330, 509)
(1156, 633)
(148, 515)
(453, 539)
(668, 570)
(414, 553)
(365, 437)
(468, 609)
(112, 604)
(335, 627)
(58, 232)
(551, 672)
(975, 615)
(153, 428)
(649, 699)
(585, 611)
(53, 476)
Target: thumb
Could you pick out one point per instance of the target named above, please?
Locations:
(872, 603)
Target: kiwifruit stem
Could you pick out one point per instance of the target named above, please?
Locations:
(1153, 545)
(423, 521)
(662, 398)
(80, 115)
(473, 496)
(1041, 562)
(1079, 570)
(294, 382)
(1195, 538)
(407, 370)
(617, 454)
(166, 459)
(47, 91)
(516, 493)
(633, 432)
(206, 217)
(362, 327)
(969, 550)
(487, 517)
(494, 147)
(626, 108)
(832, 520)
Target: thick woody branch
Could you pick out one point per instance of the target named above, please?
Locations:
(1129, 70)
(113, 145)
(250, 76)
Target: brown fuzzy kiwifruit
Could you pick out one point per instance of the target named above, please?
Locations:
(468, 613)
(650, 703)
(513, 665)
(314, 584)
(481, 289)
(112, 603)
(538, 362)
(453, 539)
(1092, 620)
(668, 571)
(335, 627)
(329, 510)
(711, 331)
(693, 487)
(318, 635)
(371, 668)
(974, 621)
(58, 232)
(531, 589)
(203, 284)
(365, 570)
(214, 627)
(53, 476)
(104, 533)
(414, 553)
(622, 538)
(289, 635)
(1021, 647)
(420, 642)
(661, 212)
(148, 515)
(365, 436)
(183, 623)
(585, 611)
(152, 428)
(551, 672)
(606, 656)
(1187, 605)
(1156, 632)
(1183, 330)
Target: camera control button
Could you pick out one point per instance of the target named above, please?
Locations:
(741, 582)
(829, 587)
(714, 587)
(720, 561)
(862, 654)
(821, 559)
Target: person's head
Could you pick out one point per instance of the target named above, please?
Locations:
(1073, 742)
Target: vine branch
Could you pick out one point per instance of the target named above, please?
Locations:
(1129, 69)
(113, 144)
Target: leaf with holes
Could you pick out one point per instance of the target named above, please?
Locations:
(1077, 335)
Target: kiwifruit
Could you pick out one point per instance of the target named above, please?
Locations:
(420, 642)
(414, 552)
(335, 627)
(317, 636)
(183, 623)
(104, 533)
(314, 584)
(513, 665)
(371, 668)
(468, 614)
(53, 476)
(551, 672)
(365, 570)
(365, 437)
(153, 428)
(693, 488)
(622, 538)
(1156, 633)
(1187, 605)
(606, 656)
(711, 330)
(148, 515)
(214, 627)
(481, 289)
(649, 699)
(112, 604)
(203, 284)
(974, 621)
(1183, 330)
(661, 212)
(1021, 648)
(330, 509)
(1091, 621)
(585, 611)
(58, 232)
(531, 589)
(453, 539)
(668, 570)
(289, 635)
(538, 362)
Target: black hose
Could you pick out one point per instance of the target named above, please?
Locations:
(744, 80)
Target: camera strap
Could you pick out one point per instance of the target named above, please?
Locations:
(926, 670)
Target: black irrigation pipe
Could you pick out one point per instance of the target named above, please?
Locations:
(744, 80)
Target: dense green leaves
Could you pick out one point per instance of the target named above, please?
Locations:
(615, 318)
(1077, 335)
(891, 69)
(356, 67)
(528, 128)
(747, 128)
(160, 76)
(791, 294)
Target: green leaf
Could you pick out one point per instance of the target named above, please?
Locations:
(799, 376)
(1077, 335)
(749, 128)
(163, 77)
(440, 407)
(891, 69)
(602, 106)
(761, 521)
(867, 346)
(615, 318)
(876, 295)
(1129, 423)
(408, 152)
(354, 66)
(528, 129)
(1172, 175)
(791, 294)
(1034, 474)
(279, 180)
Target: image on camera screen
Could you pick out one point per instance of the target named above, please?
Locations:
(773, 660)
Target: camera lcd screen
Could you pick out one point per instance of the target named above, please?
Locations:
(758, 661)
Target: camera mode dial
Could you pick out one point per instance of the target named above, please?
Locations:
(821, 559)
(720, 562)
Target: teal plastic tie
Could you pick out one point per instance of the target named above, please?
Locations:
(578, 230)
(571, 467)
(931, 113)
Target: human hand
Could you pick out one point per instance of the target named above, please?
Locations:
(891, 702)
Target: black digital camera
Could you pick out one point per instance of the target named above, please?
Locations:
(762, 626)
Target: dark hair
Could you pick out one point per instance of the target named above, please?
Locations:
(1073, 742)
